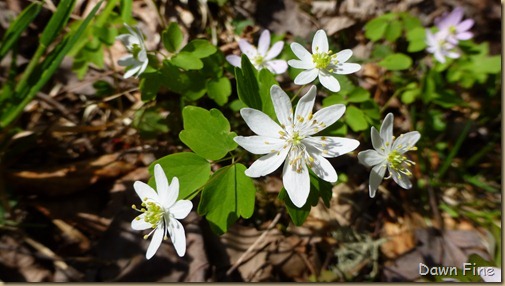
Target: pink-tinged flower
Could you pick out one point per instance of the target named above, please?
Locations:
(261, 57)
(439, 46)
(456, 28)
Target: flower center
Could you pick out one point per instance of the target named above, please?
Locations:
(258, 61)
(322, 60)
(396, 162)
(296, 139)
(136, 49)
(153, 213)
(452, 29)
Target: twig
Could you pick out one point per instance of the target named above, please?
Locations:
(254, 245)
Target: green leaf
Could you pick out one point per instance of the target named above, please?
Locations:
(417, 39)
(375, 29)
(318, 187)
(150, 85)
(192, 171)
(247, 85)
(150, 123)
(57, 22)
(207, 133)
(334, 99)
(265, 81)
(393, 31)
(410, 95)
(358, 94)
(172, 37)
(396, 61)
(410, 22)
(17, 27)
(219, 90)
(34, 81)
(228, 195)
(199, 48)
(187, 61)
(355, 118)
(381, 51)
(219, 2)
(126, 10)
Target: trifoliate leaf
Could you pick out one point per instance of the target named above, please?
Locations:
(192, 171)
(219, 90)
(207, 133)
(172, 37)
(228, 195)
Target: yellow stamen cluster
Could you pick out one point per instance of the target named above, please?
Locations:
(398, 161)
(324, 59)
(136, 49)
(258, 61)
(153, 212)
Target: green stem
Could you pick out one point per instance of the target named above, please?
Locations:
(297, 93)
(31, 66)
(454, 150)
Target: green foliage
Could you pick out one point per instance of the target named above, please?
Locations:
(355, 118)
(396, 61)
(38, 72)
(318, 188)
(150, 122)
(228, 195)
(17, 27)
(207, 133)
(172, 37)
(253, 87)
(219, 90)
(192, 171)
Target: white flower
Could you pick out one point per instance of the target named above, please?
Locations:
(321, 63)
(456, 28)
(137, 61)
(292, 142)
(262, 57)
(161, 211)
(389, 153)
(439, 45)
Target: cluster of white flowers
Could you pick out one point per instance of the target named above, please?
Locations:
(451, 29)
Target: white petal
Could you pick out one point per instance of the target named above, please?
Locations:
(301, 52)
(297, 64)
(173, 193)
(275, 50)
(277, 66)
(370, 158)
(126, 61)
(327, 116)
(323, 169)
(386, 130)
(178, 237)
(332, 146)
(329, 81)
(376, 139)
(155, 242)
(401, 179)
(305, 104)
(234, 60)
(259, 144)
(140, 223)
(128, 40)
(320, 42)
(260, 123)
(181, 209)
(144, 191)
(306, 76)
(343, 55)
(376, 176)
(282, 105)
(264, 43)
(132, 71)
(406, 141)
(247, 49)
(296, 184)
(267, 164)
(142, 68)
(348, 68)
(161, 183)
